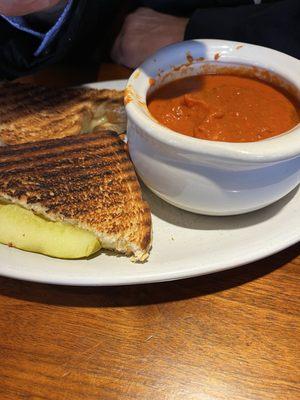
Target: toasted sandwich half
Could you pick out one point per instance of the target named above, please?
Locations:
(30, 113)
(68, 197)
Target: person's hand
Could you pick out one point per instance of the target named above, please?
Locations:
(23, 7)
(143, 33)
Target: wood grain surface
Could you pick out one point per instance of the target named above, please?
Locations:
(231, 335)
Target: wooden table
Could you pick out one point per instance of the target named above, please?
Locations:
(232, 335)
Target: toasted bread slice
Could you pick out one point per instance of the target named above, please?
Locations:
(31, 113)
(84, 180)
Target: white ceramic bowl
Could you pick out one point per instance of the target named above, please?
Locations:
(209, 177)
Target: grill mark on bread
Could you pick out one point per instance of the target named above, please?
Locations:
(56, 160)
(61, 143)
(23, 90)
(49, 95)
(60, 152)
(68, 175)
(31, 113)
(40, 99)
(49, 189)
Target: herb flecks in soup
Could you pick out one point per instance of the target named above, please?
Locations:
(224, 108)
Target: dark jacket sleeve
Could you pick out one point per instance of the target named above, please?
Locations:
(275, 25)
(83, 36)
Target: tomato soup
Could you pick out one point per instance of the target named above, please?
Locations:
(227, 108)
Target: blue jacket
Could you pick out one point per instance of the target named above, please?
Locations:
(92, 25)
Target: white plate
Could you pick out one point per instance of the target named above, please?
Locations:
(184, 245)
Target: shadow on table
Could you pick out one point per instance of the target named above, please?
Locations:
(144, 294)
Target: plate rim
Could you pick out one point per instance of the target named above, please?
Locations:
(165, 277)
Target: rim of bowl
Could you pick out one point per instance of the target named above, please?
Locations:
(278, 148)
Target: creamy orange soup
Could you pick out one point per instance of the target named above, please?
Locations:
(226, 108)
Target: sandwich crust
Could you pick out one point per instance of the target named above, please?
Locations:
(85, 180)
(30, 113)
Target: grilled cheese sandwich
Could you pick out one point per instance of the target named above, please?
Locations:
(83, 181)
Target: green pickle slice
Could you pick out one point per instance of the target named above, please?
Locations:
(25, 230)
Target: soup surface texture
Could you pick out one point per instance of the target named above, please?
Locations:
(226, 108)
